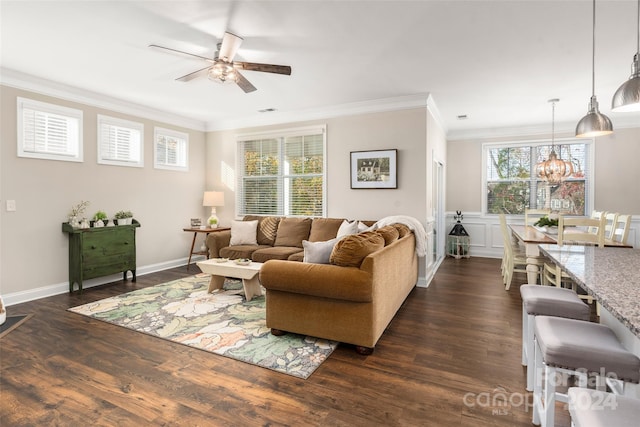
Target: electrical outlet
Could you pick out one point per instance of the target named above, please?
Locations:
(11, 205)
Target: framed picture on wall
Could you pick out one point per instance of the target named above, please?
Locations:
(374, 169)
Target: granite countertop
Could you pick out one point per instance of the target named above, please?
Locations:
(610, 275)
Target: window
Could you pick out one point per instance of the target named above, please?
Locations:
(282, 173)
(120, 142)
(511, 184)
(171, 149)
(49, 131)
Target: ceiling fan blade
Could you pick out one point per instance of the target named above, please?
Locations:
(265, 68)
(244, 84)
(155, 46)
(229, 46)
(193, 75)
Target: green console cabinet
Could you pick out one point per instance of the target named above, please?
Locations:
(96, 252)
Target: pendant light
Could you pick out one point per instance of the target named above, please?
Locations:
(627, 97)
(554, 170)
(594, 123)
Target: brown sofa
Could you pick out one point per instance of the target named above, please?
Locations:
(277, 238)
(351, 300)
(348, 304)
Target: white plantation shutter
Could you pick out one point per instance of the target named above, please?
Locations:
(282, 173)
(120, 142)
(49, 131)
(171, 149)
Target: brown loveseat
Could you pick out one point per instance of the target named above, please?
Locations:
(351, 300)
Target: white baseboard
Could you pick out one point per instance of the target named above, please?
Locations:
(61, 288)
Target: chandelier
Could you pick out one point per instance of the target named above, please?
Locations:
(554, 170)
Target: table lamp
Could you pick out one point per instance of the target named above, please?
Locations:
(213, 199)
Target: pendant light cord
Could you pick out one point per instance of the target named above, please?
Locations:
(638, 41)
(593, 51)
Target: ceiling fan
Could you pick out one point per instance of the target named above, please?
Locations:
(223, 69)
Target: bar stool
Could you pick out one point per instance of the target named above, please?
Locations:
(576, 347)
(546, 301)
(593, 408)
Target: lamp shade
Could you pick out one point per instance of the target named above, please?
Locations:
(627, 97)
(594, 123)
(213, 198)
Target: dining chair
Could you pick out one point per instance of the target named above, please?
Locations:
(596, 215)
(611, 220)
(574, 231)
(621, 229)
(531, 216)
(514, 258)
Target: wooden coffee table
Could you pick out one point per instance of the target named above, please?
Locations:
(220, 270)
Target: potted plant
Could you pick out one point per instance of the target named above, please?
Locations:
(100, 219)
(548, 224)
(123, 217)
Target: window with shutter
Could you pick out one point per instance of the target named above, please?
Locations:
(171, 149)
(120, 142)
(282, 173)
(511, 184)
(49, 131)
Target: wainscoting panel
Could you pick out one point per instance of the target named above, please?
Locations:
(486, 236)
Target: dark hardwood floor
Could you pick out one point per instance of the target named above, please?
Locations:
(450, 357)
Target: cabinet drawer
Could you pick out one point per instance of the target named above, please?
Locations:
(98, 246)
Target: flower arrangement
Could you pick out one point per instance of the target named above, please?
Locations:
(550, 220)
(78, 210)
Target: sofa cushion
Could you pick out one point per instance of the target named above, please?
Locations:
(274, 252)
(402, 229)
(292, 231)
(389, 233)
(243, 233)
(323, 229)
(350, 251)
(240, 251)
(347, 228)
(318, 252)
(298, 257)
(267, 228)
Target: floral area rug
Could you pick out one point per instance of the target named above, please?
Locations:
(222, 322)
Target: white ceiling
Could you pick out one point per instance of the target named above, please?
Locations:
(498, 62)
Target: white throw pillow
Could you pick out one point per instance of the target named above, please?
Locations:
(244, 233)
(363, 227)
(347, 228)
(318, 252)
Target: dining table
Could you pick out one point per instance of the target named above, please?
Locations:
(531, 237)
(612, 277)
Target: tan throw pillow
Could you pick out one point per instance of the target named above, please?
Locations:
(352, 250)
(390, 234)
(243, 233)
(292, 231)
(403, 230)
(323, 229)
(267, 228)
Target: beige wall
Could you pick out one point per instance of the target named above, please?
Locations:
(616, 172)
(404, 130)
(33, 249)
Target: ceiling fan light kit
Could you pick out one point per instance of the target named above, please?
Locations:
(594, 123)
(223, 69)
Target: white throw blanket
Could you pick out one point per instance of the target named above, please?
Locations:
(413, 224)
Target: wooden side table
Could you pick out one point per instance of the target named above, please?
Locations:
(195, 231)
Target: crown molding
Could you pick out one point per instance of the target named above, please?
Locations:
(18, 80)
(620, 121)
(348, 109)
